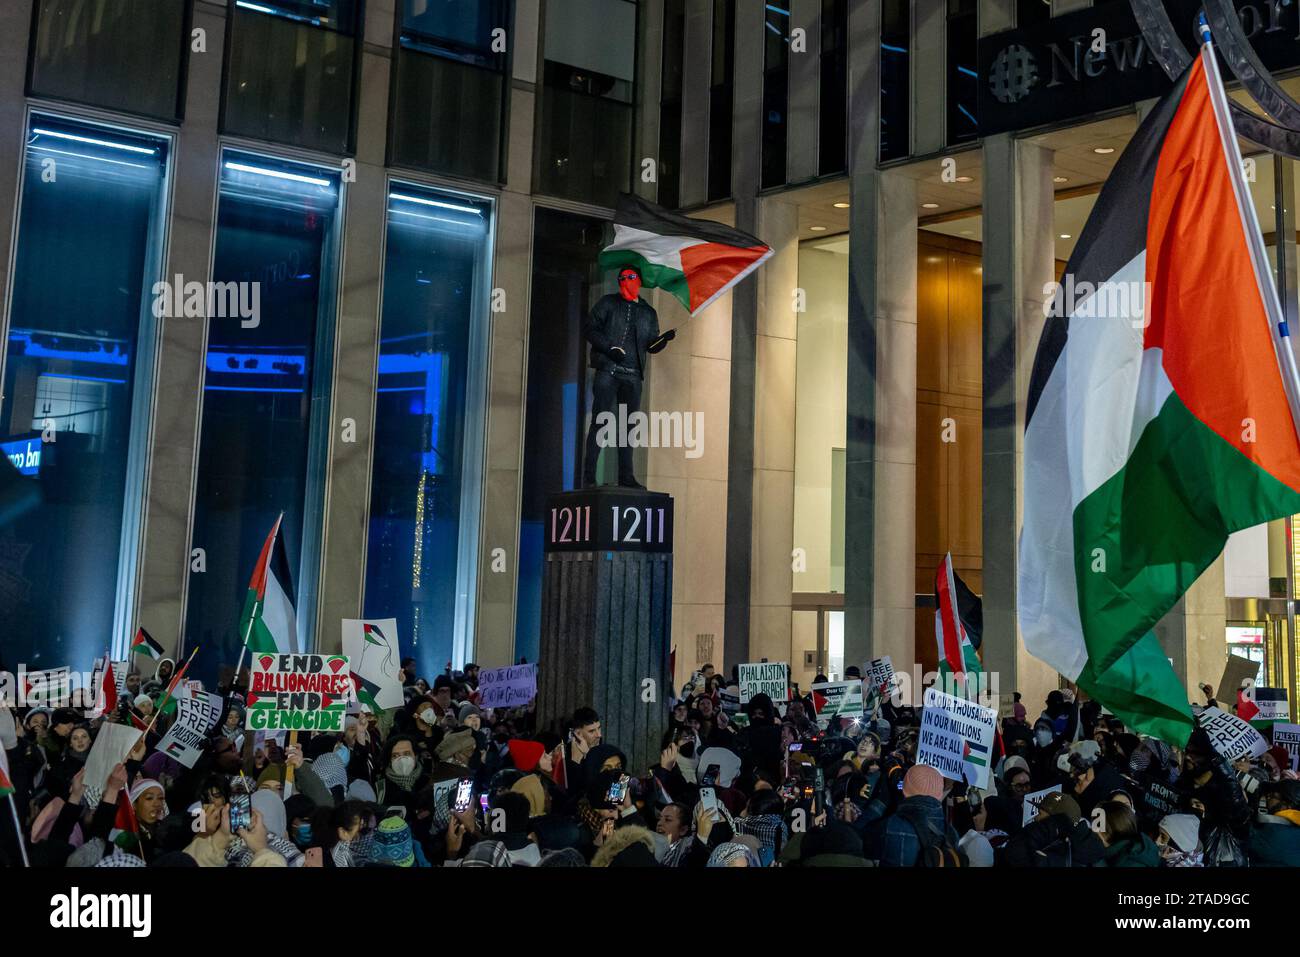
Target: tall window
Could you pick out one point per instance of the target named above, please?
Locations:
(963, 78)
(73, 417)
(124, 56)
(566, 283)
(895, 82)
(776, 93)
(424, 493)
(584, 134)
(1029, 12)
(721, 88)
(291, 70)
(449, 87)
(670, 103)
(264, 431)
(833, 115)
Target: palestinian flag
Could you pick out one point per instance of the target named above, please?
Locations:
(694, 260)
(145, 645)
(6, 780)
(106, 693)
(973, 752)
(957, 655)
(1158, 416)
(267, 621)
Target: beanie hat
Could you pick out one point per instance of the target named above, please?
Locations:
(141, 700)
(455, 743)
(1059, 803)
(525, 754)
(530, 786)
(466, 710)
(923, 780)
(1015, 763)
(272, 773)
(392, 844)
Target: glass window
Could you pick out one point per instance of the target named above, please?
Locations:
(584, 134)
(963, 78)
(290, 71)
(895, 85)
(833, 115)
(424, 492)
(566, 283)
(125, 55)
(720, 98)
(670, 103)
(89, 250)
(776, 93)
(1029, 12)
(450, 87)
(264, 427)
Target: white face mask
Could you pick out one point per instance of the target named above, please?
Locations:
(428, 717)
(404, 764)
(1043, 738)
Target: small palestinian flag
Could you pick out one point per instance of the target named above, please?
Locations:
(125, 832)
(6, 782)
(694, 260)
(973, 752)
(145, 645)
(1160, 413)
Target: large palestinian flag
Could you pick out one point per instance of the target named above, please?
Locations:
(957, 654)
(1158, 418)
(267, 622)
(694, 260)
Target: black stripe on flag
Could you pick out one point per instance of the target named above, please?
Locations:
(1116, 230)
(642, 214)
(279, 567)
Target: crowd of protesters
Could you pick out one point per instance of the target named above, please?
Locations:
(444, 782)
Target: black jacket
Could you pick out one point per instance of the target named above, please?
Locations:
(1054, 842)
(603, 328)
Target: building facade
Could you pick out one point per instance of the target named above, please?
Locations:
(392, 210)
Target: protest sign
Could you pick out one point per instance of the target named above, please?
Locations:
(837, 699)
(1034, 799)
(957, 738)
(1237, 670)
(1230, 736)
(51, 688)
(1272, 704)
(764, 677)
(370, 645)
(507, 687)
(730, 702)
(1288, 736)
(196, 713)
(880, 675)
(298, 693)
(112, 745)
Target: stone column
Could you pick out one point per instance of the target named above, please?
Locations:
(503, 469)
(1018, 263)
(347, 507)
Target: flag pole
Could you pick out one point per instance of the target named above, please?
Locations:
(18, 830)
(1278, 329)
(168, 693)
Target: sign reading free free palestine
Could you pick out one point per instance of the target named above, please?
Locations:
(298, 693)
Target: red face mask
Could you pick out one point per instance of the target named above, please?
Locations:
(630, 286)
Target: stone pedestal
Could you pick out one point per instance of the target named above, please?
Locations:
(607, 614)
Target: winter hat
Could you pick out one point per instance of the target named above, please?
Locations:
(525, 754)
(923, 780)
(393, 843)
(1081, 756)
(466, 710)
(330, 770)
(976, 847)
(271, 806)
(141, 700)
(39, 709)
(1058, 803)
(530, 786)
(1015, 763)
(272, 773)
(565, 857)
(363, 790)
(1184, 831)
(144, 785)
(455, 743)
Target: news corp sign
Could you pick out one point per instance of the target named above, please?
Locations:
(1096, 60)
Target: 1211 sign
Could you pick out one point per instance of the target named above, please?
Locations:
(599, 520)
(627, 522)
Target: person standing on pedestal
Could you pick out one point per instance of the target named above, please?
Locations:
(623, 330)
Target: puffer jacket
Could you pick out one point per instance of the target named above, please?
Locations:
(603, 328)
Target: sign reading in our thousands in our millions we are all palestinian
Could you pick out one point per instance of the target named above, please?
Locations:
(298, 693)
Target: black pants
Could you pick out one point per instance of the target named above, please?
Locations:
(608, 392)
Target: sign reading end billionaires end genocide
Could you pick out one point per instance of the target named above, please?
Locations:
(298, 693)
(956, 738)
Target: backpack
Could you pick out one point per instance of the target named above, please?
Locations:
(937, 850)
